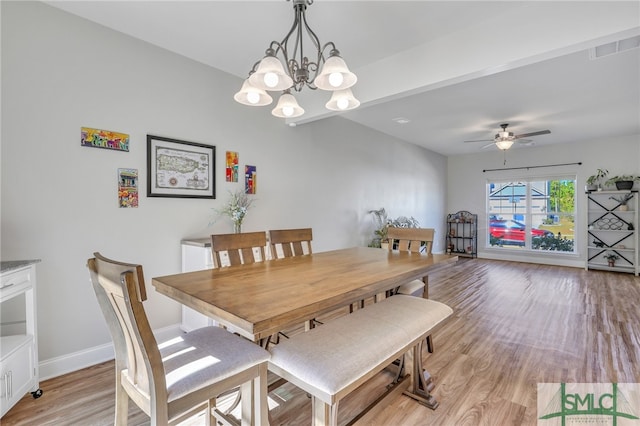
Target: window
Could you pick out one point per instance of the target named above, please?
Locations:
(532, 214)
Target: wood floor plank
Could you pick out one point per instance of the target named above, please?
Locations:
(514, 325)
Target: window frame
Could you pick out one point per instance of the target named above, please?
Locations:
(529, 213)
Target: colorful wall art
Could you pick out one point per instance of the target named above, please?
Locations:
(107, 139)
(127, 188)
(250, 179)
(232, 166)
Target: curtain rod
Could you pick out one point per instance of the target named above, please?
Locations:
(531, 167)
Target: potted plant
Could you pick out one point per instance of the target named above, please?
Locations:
(382, 224)
(622, 182)
(404, 222)
(622, 200)
(593, 181)
(611, 259)
(236, 209)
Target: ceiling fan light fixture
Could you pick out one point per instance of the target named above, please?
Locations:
(504, 135)
(504, 144)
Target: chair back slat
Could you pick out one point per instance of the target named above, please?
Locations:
(120, 291)
(414, 240)
(291, 242)
(241, 249)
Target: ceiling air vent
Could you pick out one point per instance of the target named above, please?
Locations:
(614, 47)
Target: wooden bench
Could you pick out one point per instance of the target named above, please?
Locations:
(332, 360)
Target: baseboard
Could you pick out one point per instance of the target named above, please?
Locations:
(546, 258)
(68, 363)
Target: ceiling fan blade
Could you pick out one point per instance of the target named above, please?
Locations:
(480, 140)
(487, 146)
(526, 135)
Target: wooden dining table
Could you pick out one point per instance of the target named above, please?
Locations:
(261, 299)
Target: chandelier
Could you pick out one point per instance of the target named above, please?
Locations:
(320, 72)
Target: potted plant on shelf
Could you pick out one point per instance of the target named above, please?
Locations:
(594, 181)
(622, 182)
(623, 199)
(611, 259)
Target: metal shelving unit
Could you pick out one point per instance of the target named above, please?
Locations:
(462, 234)
(612, 229)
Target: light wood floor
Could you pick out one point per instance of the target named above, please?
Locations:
(514, 325)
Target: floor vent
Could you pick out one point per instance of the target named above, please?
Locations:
(614, 47)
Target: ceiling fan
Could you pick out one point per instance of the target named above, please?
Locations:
(504, 139)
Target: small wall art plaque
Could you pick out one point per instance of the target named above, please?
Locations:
(96, 138)
(127, 188)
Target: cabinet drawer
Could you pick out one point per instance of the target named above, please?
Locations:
(15, 282)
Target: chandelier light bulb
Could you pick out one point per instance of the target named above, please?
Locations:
(253, 97)
(271, 79)
(343, 103)
(336, 79)
(287, 111)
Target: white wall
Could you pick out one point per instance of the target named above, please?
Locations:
(59, 200)
(466, 183)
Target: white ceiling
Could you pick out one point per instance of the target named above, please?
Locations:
(455, 69)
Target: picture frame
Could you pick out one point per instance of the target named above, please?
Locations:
(180, 169)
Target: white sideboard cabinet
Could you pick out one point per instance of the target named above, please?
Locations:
(196, 256)
(18, 342)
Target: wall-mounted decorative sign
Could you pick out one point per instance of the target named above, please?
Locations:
(250, 179)
(128, 188)
(107, 139)
(180, 169)
(231, 166)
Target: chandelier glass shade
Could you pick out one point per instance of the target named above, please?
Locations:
(342, 100)
(295, 70)
(287, 107)
(251, 95)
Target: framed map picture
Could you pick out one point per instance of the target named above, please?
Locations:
(180, 169)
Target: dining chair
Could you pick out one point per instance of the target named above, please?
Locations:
(413, 240)
(288, 243)
(176, 379)
(240, 249)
